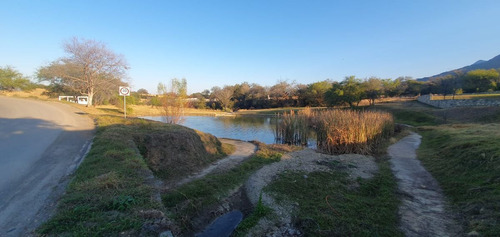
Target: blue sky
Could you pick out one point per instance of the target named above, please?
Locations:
(217, 43)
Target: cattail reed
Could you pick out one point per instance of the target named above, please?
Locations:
(337, 131)
(349, 131)
(292, 128)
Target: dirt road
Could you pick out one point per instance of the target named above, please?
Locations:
(40, 144)
(423, 210)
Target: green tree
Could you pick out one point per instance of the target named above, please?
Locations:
(349, 91)
(373, 88)
(353, 91)
(480, 80)
(314, 94)
(394, 88)
(334, 96)
(11, 79)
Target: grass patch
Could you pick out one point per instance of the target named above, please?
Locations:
(465, 159)
(411, 113)
(186, 201)
(108, 191)
(258, 213)
(329, 204)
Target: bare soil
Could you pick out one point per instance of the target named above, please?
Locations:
(177, 152)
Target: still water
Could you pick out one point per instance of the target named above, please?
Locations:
(241, 128)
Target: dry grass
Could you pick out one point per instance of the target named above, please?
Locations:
(338, 131)
(292, 128)
(349, 131)
(491, 96)
(148, 110)
(35, 94)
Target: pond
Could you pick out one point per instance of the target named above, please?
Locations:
(242, 128)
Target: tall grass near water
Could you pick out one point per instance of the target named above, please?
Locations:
(337, 131)
(349, 131)
(292, 128)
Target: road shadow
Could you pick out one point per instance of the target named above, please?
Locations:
(36, 158)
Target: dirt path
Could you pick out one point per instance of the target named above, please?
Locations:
(243, 151)
(306, 160)
(423, 210)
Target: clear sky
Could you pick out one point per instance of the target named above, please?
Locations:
(214, 43)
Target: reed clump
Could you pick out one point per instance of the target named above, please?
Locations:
(292, 128)
(337, 131)
(350, 131)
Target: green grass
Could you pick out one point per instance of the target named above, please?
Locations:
(106, 191)
(465, 159)
(329, 204)
(186, 201)
(411, 113)
(259, 212)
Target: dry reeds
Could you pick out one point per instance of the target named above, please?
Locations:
(292, 128)
(349, 131)
(337, 131)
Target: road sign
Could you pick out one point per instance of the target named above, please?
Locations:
(124, 91)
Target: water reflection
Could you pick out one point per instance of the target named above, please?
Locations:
(241, 128)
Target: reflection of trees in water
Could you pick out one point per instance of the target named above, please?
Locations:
(245, 122)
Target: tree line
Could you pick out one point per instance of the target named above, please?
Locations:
(91, 68)
(458, 82)
(350, 91)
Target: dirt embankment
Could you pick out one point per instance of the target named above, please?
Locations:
(178, 151)
(243, 150)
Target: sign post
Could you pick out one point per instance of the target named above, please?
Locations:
(124, 91)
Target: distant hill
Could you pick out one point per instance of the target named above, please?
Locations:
(493, 63)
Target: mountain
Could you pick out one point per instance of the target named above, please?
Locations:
(493, 63)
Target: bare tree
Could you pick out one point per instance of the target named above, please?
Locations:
(173, 100)
(90, 68)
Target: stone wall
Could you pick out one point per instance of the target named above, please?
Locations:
(427, 99)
